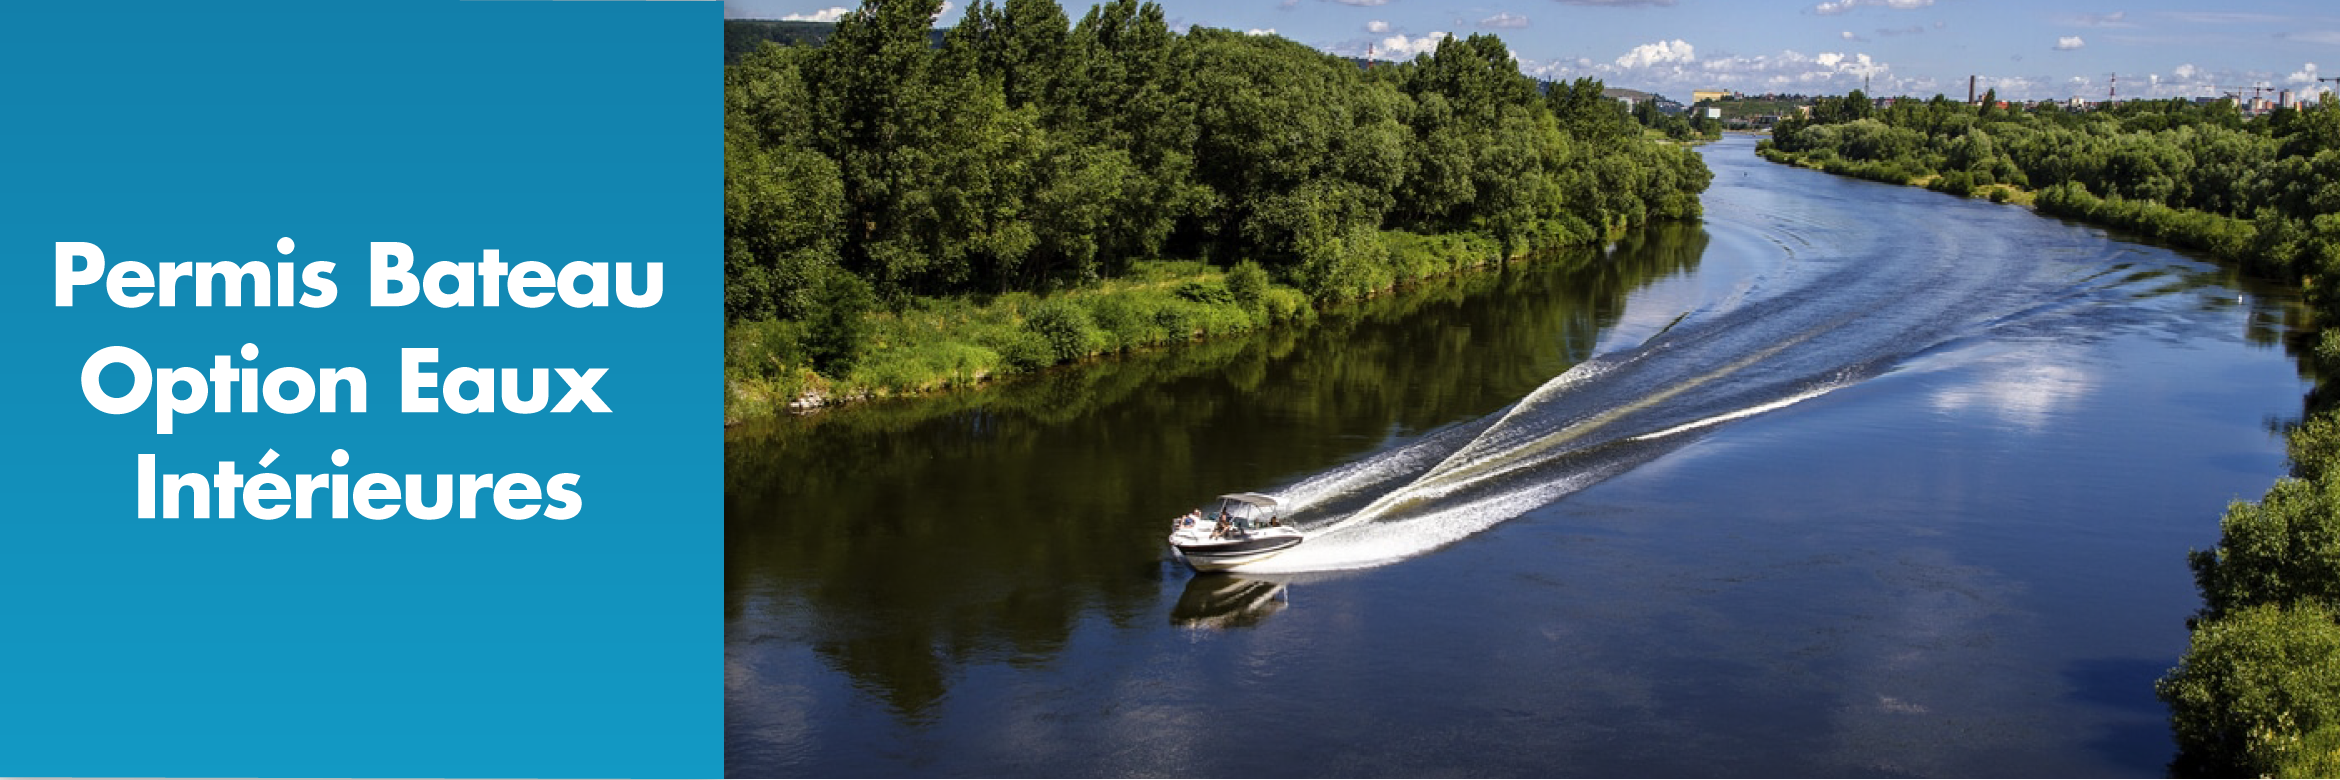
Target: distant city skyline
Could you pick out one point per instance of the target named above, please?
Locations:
(2024, 50)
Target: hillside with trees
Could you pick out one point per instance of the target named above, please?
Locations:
(900, 216)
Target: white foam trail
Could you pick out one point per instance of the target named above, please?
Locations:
(1469, 451)
(1742, 413)
(1375, 544)
(1374, 470)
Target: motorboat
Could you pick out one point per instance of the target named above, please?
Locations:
(1245, 528)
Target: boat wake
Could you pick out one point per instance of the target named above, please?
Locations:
(1822, 311)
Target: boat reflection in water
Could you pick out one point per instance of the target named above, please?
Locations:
(1222, 601)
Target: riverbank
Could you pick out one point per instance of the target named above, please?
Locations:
(2257, 692)
(934, 345)
(1890, 173)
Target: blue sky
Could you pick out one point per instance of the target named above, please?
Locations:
(2026, 50)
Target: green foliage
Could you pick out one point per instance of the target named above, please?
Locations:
(2252, 687)
(879, 174)
(2314, 446)
(1065, 328)
(1024, 154)
(1205, 292)
(836, 337)
(2317, 754)
(937, 343)
(2281, 550)
(1025, 350)
(1248, 283)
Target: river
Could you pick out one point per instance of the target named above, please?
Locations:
(1847, 479)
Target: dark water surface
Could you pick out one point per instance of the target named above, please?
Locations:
(1849, 479)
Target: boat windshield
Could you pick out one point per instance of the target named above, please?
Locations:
(1246, 514)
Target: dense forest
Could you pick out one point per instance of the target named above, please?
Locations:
(1031, 162)
(2258, 692)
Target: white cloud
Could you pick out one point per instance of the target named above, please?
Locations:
(2069, 42)
(1833, 7)
(1402, 47)
(830, 15)
(2114, 19)
(1505, 20)
(2186, 72)
(1848, 35)
(1676, 51)
(1260, 31)
(1377, 27)
(2305, 75)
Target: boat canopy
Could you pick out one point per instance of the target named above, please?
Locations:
(1261, 500)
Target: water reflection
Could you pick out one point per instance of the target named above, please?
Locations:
(913, 539)
(1223, 601)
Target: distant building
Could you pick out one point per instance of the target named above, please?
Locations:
(1713, 112)
(2283, 99)
(1703, 95)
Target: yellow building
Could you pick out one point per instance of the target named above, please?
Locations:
(1702, 95)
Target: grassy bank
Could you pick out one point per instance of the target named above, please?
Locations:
(936, 344)
(1961, 184)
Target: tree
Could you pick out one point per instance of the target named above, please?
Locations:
(2250, 687)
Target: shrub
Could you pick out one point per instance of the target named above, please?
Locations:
(1024, 350)
(2277, 551)
(2315, 444)
(1286, 304)
(1121, 322)
(1064, 327)
(1247, 282)
(834, 340)
(2251, 687)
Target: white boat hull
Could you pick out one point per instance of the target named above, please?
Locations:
(1221, 555)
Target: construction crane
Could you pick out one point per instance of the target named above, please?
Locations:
(2236, 92)
(2113, 93)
